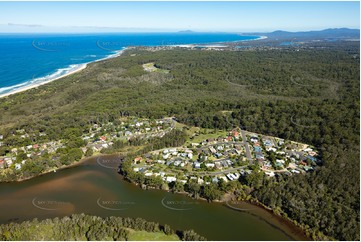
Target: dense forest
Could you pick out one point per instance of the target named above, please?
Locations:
(308, 94)
(91, 228)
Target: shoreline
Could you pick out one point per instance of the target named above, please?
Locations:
(118, 53)
(216, 44)
(74, 164)
(35, 85)
(296, 231)
(79, 68)
(291, 229)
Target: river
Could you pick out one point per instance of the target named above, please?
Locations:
(94, 187)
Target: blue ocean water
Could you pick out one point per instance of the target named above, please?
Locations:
(34, 58)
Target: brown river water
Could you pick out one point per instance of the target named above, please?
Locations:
(94, 187)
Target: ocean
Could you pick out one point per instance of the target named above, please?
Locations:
(28, 59)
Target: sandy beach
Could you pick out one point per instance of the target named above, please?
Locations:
(79, 68)
(22, 89)
(262, 37)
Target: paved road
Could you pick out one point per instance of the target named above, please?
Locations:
(246, 145)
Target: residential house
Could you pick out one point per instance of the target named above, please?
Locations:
(210, 165)
(254, 139)
(137, 159)
(218, 155)
(224, 163)
(161, 162)
(212, 149)
(215, 180)
(171, 179)
(148, 173)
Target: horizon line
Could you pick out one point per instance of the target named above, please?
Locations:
(149, 30)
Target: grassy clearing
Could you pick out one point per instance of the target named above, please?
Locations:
(148, 236)
(209, 134)
(150, 67)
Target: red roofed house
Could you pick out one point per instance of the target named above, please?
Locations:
(235, 133)
(137, 159)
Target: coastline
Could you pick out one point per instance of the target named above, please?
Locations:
(118, 53)
(216, 44)
(79, 68)
(35, 85)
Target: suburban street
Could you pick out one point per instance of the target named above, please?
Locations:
(246, 145)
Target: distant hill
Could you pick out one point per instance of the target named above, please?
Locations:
(186, 31)
(337, 33)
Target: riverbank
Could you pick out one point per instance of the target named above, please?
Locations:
(276, 220)
(54, 170)
(79, 190)
(295, 229)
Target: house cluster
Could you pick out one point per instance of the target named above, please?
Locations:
(276, 155)
(215, 155)
(27, 152)
(224, 158)
(103, 136)
(100, 136)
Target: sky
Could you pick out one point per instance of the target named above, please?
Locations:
(176, 16)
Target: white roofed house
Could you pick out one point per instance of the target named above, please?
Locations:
(212, 149)
(18, 166)
(210, 165)
(171, 179)
(148, 173)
